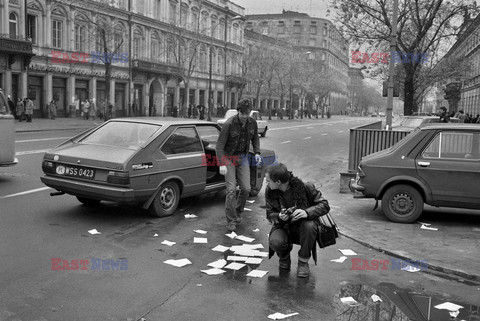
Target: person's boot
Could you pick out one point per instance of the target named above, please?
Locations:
(284, 261)
(303, 269)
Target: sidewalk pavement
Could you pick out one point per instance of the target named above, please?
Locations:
(453, 249)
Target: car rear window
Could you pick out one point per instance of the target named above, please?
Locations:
(121, 134)
(454, 145)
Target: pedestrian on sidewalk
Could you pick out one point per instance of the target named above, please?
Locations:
(92, 109)
(233, 154)
(86, 108)
(11, 105)
(294, 208)
(29, 109)
(20, 110)
(52, 109)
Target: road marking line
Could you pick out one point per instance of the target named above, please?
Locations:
(286, 142)
(28, 152)
(340, 131)
(324, 134)
(40, 139)
(26, 192)
(308, 125)
(307, 137)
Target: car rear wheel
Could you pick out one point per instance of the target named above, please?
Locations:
(87, 201)
(264, 132)
(402, 204)
(166, 201)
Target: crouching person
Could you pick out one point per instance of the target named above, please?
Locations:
(294, 208)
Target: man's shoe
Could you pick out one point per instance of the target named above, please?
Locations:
(285, 262)
(303, 271)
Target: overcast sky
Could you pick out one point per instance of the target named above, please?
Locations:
(314, 8)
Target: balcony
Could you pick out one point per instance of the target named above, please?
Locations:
(144, 65)
(15, 45)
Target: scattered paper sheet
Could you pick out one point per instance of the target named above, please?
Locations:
(178, 263)
(279, 316)
(253, 260)
(251, 201)
(410, 268)
(256, 230)
(247, 247)
(218, 264)
(232, 235)
(200, 240)
(237, 258)
(234, 266)
(424, 227)
(454, 314)
(245, 238)
(165, 242)
(257, 273)
(94, 232)
(348, 252)
(424, 223)
(213, 271)
(200, 231)
(155, 235)
(220, 248)
(376, 298)
(190, 216)
(448, 306)
(340, 260)
(247, 209)
(349, 300)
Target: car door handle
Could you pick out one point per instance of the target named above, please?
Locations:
(424, 164)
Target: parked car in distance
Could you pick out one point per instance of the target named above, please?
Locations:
(262, 124)
(438, 165)
(146, 161)
(409, 123)
(7, 134)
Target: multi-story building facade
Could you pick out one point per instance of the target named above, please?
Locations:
(463, 90)
(168, 51)
(316, 38)
(354, 87)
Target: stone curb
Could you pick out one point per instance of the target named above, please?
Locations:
(438, 268)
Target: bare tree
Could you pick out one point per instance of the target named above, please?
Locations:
(422, 24)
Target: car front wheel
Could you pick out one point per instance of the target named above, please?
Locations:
(402, 204)
(166, 201)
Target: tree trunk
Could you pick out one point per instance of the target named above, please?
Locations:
(409, 85)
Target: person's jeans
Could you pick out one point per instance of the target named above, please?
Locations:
(240, 173)
(303, 233)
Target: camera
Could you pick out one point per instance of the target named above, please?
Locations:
(289, 211)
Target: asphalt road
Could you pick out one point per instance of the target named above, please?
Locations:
(36, 228)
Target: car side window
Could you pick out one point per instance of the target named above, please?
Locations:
(183, 140)
(453, 145)
(208, 134)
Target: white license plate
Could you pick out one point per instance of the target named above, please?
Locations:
(75, 171)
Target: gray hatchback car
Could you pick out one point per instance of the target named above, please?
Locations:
(438, 165)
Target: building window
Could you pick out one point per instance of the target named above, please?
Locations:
(158, 9)
(57, 33)
(325, 31)
(184, 16)
(297, 28)
(79, 38)
(312, 42)
(32, 28)
(281, 27)
(12, 19)
(195, 21)
(235, 33)
(324, 44)
(172, 12)
(313, 30)
(140, 6)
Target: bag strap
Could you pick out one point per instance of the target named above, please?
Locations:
(332, 221)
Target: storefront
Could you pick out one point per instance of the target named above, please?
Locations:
(35, 94)
(59, 94)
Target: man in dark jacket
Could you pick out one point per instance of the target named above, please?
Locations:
(233, 155)
(294, 209)
(444, 118)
